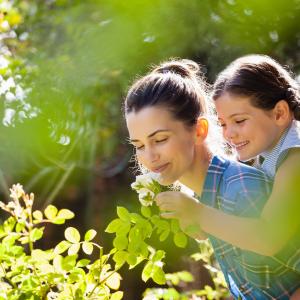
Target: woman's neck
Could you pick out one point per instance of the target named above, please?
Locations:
(194, 178)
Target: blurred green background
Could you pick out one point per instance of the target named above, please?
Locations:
(64, 70)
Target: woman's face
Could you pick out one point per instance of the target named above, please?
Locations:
(163, 145)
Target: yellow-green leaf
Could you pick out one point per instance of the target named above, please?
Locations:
(87, 248)
(50, 212)
(89, 235)
(38, 215)
(62, 247)
(65, 214)
(72, 235)
(74, 249)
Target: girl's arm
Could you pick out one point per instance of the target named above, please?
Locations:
(279, 219)
(265, 235)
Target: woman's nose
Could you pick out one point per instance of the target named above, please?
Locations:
(152, 155)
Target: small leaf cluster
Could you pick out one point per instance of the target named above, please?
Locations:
(132, 235)
(27, 272)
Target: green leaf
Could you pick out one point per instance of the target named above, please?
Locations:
(69, 262)
(20, 226)
(120, 242)
(180, 239)
(89, 235)
(58, 221)
(120, 258)
(164, 235)
(87, 248)
(38, 215)
(175, 226)
(74, 249)
(36, 234)
(158, 256)
(113, 281)
(146, 211)
(123, 213)
(116, 296)
(50, 212)
(158, 275)
(82, 263)
(113, 226)
(131, 259)
(72, 235)
(62, 247)
(65, 214)
(147, 271)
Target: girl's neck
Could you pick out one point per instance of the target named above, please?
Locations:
(194, 178)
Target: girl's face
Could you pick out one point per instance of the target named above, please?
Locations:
(249, 130)
(163, 145)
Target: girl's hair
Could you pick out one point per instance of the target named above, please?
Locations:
(262, 79)
(179, 86)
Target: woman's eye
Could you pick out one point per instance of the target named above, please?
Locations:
(162, 140)
(138, 147)
(240, 121)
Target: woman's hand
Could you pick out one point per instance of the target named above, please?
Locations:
(185, 208)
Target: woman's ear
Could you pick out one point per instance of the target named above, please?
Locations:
(201, 129)
(282, 113)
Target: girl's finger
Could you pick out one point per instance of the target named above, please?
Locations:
(168, 215)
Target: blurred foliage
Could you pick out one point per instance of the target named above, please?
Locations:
(65, 66)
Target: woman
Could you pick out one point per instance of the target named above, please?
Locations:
(167, 118)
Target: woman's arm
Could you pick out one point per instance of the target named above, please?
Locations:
(279, 219)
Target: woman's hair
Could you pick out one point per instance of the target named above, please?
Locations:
(262, 79)
(178, 86)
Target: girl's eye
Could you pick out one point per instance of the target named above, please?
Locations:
(240, 121)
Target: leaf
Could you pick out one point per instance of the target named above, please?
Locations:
(58, 221)
(147, 271)
(36, 234)
(131, 259)
(180, 239)
(120, 242)
(50, 212)
(74, 249)
(62, 247)
(113, 226)
(87, 248)
(175, 226)
(164, 235)
(158, 276)
(116, 296)
(57, 263)
(69, 262)
(38, 215)
(65, 214)
(158, 256)
(82, 263)
(113, 281)
(123, 213)
(120, 258)
(89, 235)
(72, 235)
(146, 211)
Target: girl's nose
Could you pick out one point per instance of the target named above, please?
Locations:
(230, 133)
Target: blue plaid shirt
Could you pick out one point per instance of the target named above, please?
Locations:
(241, 190)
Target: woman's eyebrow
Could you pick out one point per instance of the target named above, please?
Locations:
(150, 135)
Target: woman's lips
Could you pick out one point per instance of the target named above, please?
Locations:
(240, 146)
(161, 168)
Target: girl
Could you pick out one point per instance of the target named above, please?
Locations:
(165, 115)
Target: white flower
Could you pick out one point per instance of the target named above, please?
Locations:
(17, 191)
(146, 197)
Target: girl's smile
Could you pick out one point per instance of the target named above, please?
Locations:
(249, 130)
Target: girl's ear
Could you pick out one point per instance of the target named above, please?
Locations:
(282, 112)
(201, 129)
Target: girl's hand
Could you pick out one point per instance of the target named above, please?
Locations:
(177, 205)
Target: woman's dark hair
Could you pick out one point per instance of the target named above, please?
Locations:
(262, 79)
(176, 85)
